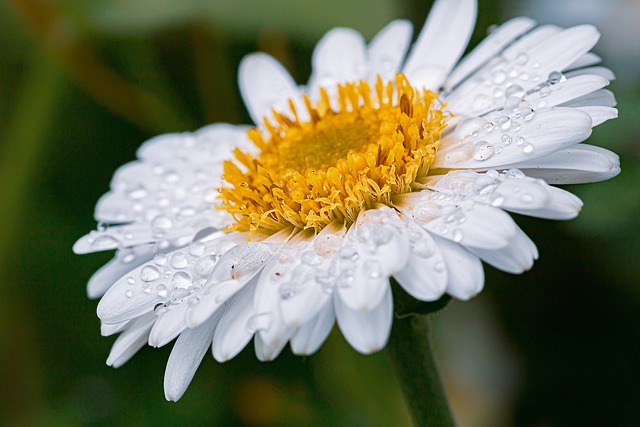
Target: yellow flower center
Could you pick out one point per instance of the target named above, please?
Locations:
(375, 144)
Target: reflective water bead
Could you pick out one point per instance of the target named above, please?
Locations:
(161, 290)
(483, 151)
(193, 301)
(349, 252)
(526, 198)
(504, 122)
(506, 139)
(196, 248)
(160, 259)
(181, 279)
(205, 265)
(520, 140)
(457, 235)
(179, 260)
(373, 269)
(439, 267)
(149, 273)
(527, 148)
(161, 222)
(515, 91)
(555, 77)
(178, 295)
(522, 59)
(346, 279)
(422, 248)
(128, 293)
(146, 288)
(499, 77)
(161, 309)
(131, 280)
(137, 193)
(286, 293)
(310, 258)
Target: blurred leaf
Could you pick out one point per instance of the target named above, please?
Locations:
(242, 17)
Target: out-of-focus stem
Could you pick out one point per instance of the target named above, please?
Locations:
(106, 86)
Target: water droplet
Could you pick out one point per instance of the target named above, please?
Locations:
(181, 280)
(524, 76)
(482, 151)
(149, 273)
(506, 139)
(137, 193)
(522, 59)
(515, 126)
(499, 77)
(520, 140)
(161, 290)
(526, 198)
(131, 280)
(160, 259)
(527, 148)
(161, 309)
(128, 293)
(193, 301)
(488, 127)
(219, 298)
(422, 248)
(544, 91)
(127, 257)
(161, 223)
(178, 295)
(527, 112)
(310, 258)
(287, 293)
(504, 122)
(104, 242)
(146, 288)
(481, 103)
(515, 91)
(373, 269)
(346, 279)
(555, 77)
(196, 248)
(205, 265)
(457, 235)
(179, 260)
(171, 177)
(439, 267)
(349, 252)
(496, 200)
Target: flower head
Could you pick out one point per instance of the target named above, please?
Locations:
(386, 164)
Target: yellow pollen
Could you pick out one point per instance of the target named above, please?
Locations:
(346, 157)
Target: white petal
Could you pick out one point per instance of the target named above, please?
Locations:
(562, 205)
(232, 334)
(210, 300)
(523, 193)
(466, 276)
(570, 90)
(340, 56)
(264, 85)
(575, 165)
(387, 50)
(483, 227)
(131, 340)
(124, 262)
(602, 97)
(168, 326)
(366, 331)
(108, 330)
(489, 47)
(424, 276)
(585, 60)
(441, 42)
(515, 258)
(548, 131)
(599, 114)
(308, 339)
(185, 358)
(600, 71)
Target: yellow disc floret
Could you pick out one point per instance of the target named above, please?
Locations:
(347, 156)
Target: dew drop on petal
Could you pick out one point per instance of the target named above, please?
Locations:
(146, 288)
(149, 273)
(181, 279)
(506, 139)
(219, 298)
(128, 293)
(193, 301)
(161, 290)
(373, 269)
(483, 151)
(131, 280)
(196, 248)
(205, 265)
(178, 295)
(504, 122)
(457, 235)
(527, 148)
(286, 293)
(555, 77)
(160, 259)
(179, 260)
(439, 267)
(514, 91)
(526, 198)
(161, 223)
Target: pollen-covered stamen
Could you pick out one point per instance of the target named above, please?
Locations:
(375, 144)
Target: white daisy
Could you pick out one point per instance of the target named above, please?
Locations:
(387, 164)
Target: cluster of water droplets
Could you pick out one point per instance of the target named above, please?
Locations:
(475, 134)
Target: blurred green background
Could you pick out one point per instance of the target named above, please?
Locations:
(84, 82)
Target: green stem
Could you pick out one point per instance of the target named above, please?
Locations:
(410, 352)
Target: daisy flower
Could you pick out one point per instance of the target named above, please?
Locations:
(393, 161)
